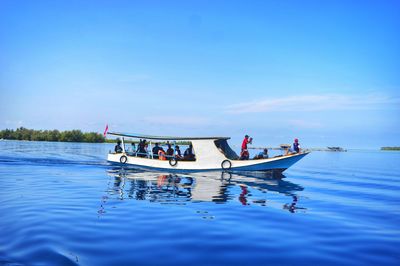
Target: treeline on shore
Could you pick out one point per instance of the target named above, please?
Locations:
(390, 148)
(51, 135)
(75, 135)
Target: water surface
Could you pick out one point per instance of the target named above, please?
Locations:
(63, 204)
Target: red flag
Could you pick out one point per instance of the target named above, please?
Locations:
(105, 131)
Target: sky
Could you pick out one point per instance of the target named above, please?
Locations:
(326, 72)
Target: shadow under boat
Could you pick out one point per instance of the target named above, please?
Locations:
(201, 187)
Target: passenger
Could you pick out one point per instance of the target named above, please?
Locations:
(178, 154)
(170, 151)
(161, 154)
(296, 146)
(155, 150)
(141, 150)
(244, 153)
(118, 148)
(262, 155)
(138, 147)
(188, 155)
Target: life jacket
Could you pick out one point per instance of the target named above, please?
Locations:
(161, 155)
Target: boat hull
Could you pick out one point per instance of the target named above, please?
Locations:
(275, 164)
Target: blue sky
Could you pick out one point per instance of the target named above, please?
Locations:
(326, 72)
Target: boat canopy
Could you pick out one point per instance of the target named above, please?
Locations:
(141, 136)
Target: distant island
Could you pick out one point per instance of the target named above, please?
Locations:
(51, 135)
(390, 148)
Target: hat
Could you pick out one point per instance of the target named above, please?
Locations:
(296, 140)
(246, 136)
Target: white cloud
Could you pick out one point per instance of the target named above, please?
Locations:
(310, 103)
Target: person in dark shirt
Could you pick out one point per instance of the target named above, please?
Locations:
(170, 151)
(155, 150)
(188, 155)
(118, 148)
(178, 154)
(141, 151)
(296, 146)
(138, 146)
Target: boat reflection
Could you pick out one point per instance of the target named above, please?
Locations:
(263, 189)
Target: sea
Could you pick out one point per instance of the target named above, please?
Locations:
(64, 204)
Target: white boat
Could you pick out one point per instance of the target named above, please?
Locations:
(211, 154)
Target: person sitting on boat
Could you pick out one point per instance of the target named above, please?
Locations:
(141, 151)
(296, 146)
(170, 151)
(161, 154)
(118, 148)
(262, 155)
(155, 150)
(244, 153)
(138, 146)
(188, 155)
(178, 154)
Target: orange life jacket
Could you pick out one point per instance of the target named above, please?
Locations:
(161, 155)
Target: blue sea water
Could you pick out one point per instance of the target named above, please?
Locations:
(63, 204)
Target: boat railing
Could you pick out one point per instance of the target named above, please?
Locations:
(149, 155)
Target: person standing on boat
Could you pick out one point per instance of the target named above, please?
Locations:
(244, 153)
(296, 146)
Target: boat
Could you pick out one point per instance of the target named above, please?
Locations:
(336, 149)
(211, 154)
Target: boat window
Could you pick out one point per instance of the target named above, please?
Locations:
(188, 153)
(179, 150)
(223, 146)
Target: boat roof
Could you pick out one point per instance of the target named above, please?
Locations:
(141, 136)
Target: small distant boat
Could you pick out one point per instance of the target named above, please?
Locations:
(336, 149)
(211, 154)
